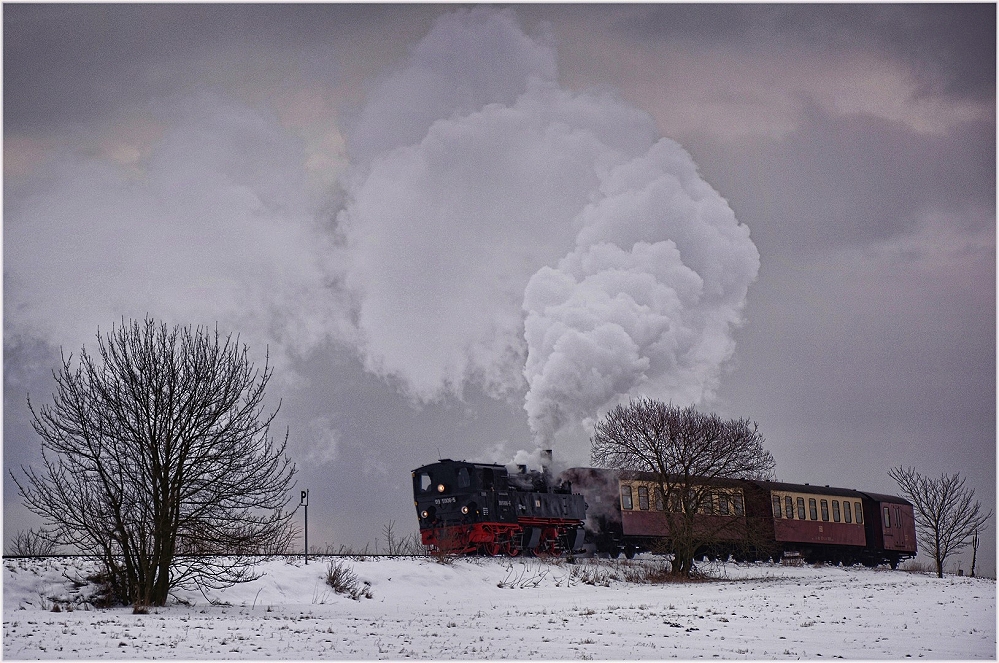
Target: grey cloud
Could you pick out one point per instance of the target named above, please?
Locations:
(852, 180)
(950, 48)
(79, 63)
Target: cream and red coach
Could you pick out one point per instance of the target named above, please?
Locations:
(750, 519)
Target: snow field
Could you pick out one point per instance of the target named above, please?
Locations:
(518, 609)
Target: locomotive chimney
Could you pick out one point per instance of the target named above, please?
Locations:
(546, 463)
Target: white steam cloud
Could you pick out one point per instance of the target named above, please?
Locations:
(646, 302)
(496, 229)
(507, 229)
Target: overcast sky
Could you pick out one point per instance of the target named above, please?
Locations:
(468, 232)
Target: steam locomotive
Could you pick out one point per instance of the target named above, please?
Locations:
(474, 508)
(467, 508)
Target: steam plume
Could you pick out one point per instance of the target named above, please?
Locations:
(510, 230)
(646, 301)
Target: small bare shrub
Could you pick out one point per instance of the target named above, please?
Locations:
(528, 577)
(343, 580)
(915, 566)
(589, 574)
(654, 572)
(396, 546)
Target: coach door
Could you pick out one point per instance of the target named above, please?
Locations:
(891, 526)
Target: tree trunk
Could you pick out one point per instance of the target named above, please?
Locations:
(974, 553)
(939, 567)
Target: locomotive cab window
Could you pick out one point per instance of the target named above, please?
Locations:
(847, 516)
(487, 478)
(813, 511)
(835, 505)
(643, 498)
(464, 481)
(859, 512)
(626, 502)
(424, 482)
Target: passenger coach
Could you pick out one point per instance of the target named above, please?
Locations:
(751, 519)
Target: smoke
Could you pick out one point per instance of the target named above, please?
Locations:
(208, 220)
(507, 232)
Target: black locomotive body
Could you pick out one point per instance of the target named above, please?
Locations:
(479, 508)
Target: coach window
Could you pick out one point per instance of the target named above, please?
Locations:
(660, 500)
(643, 498)
(776, 499)
(835, 511)
(626, 502)
(813, 513)
(788, 507)
(825, 509)
(859, 512)
(801, 508)
(723, 508)
(847, 516)
(739, 509)
(887, 518)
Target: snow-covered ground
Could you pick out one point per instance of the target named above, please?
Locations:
(517, 609)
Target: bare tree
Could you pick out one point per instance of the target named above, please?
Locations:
(157, 459)
(32, 543)
(946, 515)
(686, 451)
